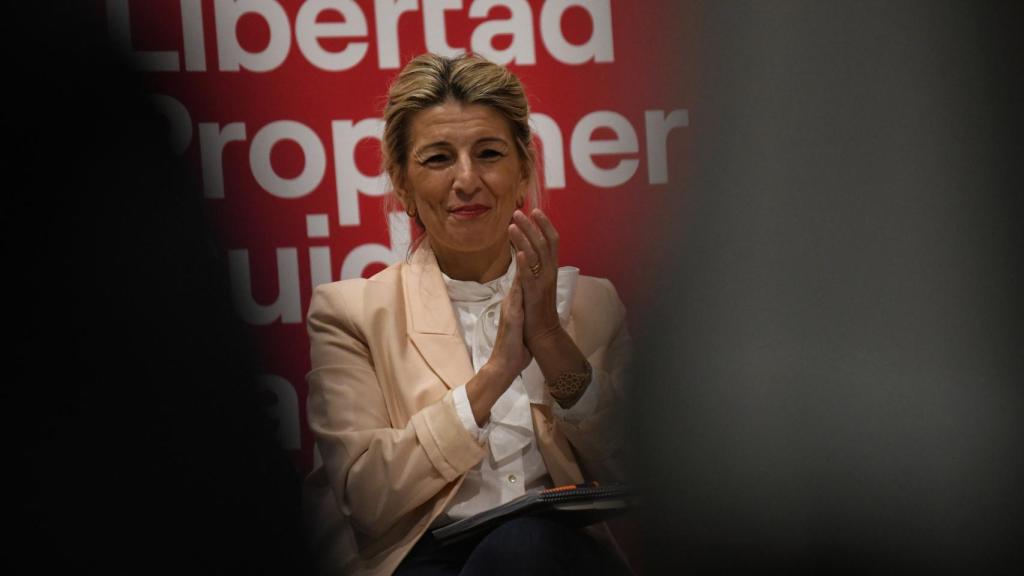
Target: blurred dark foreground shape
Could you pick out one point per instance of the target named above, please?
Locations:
(135, 437)
(829, 379)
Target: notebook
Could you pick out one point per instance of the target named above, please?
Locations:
(575, 504)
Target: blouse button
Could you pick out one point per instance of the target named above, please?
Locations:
(512, 478)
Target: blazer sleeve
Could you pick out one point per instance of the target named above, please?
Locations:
(598, 438)
(379, 472)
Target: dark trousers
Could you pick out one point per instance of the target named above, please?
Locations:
(523, 546)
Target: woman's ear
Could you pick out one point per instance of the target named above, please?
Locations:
(407, 200)
(524, 171)
(525, 183)
(404, 198)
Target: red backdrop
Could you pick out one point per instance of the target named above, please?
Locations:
(277, 106)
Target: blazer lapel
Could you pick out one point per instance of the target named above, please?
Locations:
(431, 320)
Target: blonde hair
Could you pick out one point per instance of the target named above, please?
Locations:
(429, 80)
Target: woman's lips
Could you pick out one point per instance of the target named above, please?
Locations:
(468, 212)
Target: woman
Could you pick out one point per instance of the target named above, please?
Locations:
(453, 382)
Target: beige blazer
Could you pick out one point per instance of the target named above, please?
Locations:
(386, 354)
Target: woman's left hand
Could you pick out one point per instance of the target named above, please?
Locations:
(536, 243)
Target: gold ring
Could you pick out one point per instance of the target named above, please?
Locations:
(535, 269)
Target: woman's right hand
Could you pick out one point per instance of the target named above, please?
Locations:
(510, 354)
(509, 357)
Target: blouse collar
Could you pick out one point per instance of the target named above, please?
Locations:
(469, 291)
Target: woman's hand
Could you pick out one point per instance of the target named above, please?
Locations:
(509, 357)
(536, 243)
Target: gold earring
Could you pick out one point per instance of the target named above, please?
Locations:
(411, 211)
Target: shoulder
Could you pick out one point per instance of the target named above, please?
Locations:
(596, 292)
(593, 289)
(596, 305)
(347, 300)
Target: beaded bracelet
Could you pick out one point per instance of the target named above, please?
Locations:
(570, 384)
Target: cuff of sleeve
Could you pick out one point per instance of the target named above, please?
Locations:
(583, 407)
(449, 446)
(461, 399)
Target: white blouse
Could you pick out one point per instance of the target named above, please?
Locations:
(514, 464)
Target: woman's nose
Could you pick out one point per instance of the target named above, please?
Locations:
(467, 179)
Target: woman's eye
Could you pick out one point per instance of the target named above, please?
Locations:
(436, 159)
(490, 154)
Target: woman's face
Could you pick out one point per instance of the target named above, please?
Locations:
(464, 176)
